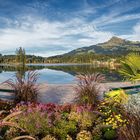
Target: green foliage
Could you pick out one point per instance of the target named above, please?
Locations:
(88, 57)
(8, 59)
(85, 119)
(118, 96)
(97, 133)
(50, 121)
(110, 134)
(113, 114)
(131, 67)
(63, 127)
(34, 123)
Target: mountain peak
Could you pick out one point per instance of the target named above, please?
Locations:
(116, 40)
(113, 47)
(113, 42)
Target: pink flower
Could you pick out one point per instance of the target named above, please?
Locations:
(38, 125)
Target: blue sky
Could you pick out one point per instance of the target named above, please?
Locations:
(52, 27)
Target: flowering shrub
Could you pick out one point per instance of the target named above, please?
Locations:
(45, 120)
(118, 96)
(84, 118)
(113, 113)
(68, 122)
(63, 127)
(84, 135)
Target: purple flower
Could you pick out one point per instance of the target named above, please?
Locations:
(29, 110)
(22, 103)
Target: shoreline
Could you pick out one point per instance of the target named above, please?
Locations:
(62, 93)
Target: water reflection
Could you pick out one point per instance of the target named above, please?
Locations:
(63, 73)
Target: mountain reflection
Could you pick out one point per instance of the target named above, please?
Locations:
(111, 75)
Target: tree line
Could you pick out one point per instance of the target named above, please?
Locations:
(21, 58)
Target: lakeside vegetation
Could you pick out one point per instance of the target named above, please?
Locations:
(114, 117)
(78, 58)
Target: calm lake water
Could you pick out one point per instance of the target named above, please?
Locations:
(58, 73)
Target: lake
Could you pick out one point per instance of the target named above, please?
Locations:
(58, 73)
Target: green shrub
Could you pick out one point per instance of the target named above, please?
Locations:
(96, 133)
(63, 127)
(110, 134)
(118, 96)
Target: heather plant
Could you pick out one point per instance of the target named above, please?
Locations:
(25, 88)
(34, 122)
(108, 120)
(39, 120)
(87, 88)
(33, 119)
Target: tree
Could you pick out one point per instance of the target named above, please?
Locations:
(1, 60)
(21, 56)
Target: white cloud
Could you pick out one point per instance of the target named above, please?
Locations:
(31, 33)
(112, 18)
(46, 38)
(135, 36)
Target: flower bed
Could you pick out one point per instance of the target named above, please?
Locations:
(107, 120)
